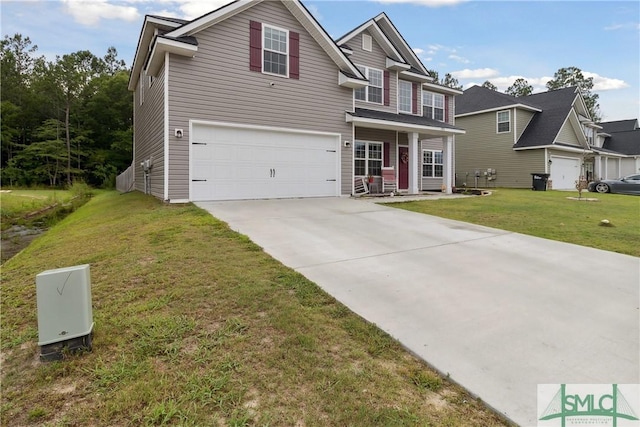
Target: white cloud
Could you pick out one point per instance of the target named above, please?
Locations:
(625, 26)
(90, 13)
(479, 73)
(418, 51)
(601, 83)
(430, 3)
(459, 59)
(192, 9)
(315, 12)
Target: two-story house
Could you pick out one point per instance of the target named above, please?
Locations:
(616, 149)
(255, 100)
(510, 138)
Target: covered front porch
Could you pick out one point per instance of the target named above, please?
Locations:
(416, 151)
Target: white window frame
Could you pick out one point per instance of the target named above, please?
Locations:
(367, 42)
(432, 105)
(498, 122)
(433, 163)
(264, 49)
(367, 157)
(366, 71)
(400, 96)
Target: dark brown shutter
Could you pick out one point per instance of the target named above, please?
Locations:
(387, 154)
(446, 109)
(414, 94)
(294, 55)
(387, 101)
(255, 46)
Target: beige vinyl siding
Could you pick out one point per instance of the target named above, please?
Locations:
(452, 109)
(523, 118)
(377, 58)
(149, 133)
(567, 135)
(430, 183)
(482, 148)
(217, 85)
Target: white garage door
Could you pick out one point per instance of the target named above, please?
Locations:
(231, 163)
(564, 173)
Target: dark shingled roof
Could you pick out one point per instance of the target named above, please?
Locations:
(478, 98)
(170, 19)
(619, 125)
(625, 142)
(402, 118)
(544, 126)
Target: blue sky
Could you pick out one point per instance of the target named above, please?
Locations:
(473, 40)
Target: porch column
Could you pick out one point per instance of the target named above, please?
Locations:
(447, 158)
(413, 162)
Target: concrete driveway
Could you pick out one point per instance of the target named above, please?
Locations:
(499, 312)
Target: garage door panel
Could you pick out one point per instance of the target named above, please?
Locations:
(564, 172)
(252, 163)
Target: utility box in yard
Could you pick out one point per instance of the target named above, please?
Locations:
(65, 316)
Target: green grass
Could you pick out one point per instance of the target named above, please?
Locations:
(16, 204)
(548, 214)
(195, 325)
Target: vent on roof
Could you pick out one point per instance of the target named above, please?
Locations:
(367, 42)
(65, 317)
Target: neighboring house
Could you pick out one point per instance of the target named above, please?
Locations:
(509, 138)
(617, 149)
(255, 100)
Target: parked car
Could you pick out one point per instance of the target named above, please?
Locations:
(630, 184)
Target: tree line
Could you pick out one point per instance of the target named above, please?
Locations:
(63, 120)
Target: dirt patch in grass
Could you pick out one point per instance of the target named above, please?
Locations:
(196, 325)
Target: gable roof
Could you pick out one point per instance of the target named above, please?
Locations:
(392, 42)
(478, 99)
(555, 109)
(182, 31)
(619, 125)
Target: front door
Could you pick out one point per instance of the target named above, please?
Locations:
(403, 168)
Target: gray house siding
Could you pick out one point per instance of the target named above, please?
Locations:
(567, 135)
(429, 144)
(149, 133)
(378, 135)
(522, 121)
(482, 148)
(217, 85)
(377, 58)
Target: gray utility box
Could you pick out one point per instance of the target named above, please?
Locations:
(65, 316)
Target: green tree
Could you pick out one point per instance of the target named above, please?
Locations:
(520, 87)
(572, 76)
(451, 81)
(489, 85)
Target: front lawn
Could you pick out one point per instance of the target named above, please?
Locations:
(195, 325)
(548, 214)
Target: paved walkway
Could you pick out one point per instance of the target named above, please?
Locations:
(499, 312)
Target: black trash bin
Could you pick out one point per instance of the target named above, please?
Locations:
(539, 181)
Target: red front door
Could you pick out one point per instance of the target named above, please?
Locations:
(403, 168)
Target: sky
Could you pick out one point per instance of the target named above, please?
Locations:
(474, 40)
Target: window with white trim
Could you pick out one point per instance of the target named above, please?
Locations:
(504, 121)
(368, 158)
(433, 105)
(367, 42)
(432, 163)
(275, 50)
(373, 92)
(405, 96)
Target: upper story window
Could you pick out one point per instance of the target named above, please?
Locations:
(504, 121)
(433, 105)
(367, 42)
(405, 96)
(373, 92)
(588, 133)
(275, 51)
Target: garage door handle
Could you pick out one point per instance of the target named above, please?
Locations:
(332, 180)
(272, 173)
(198, 143)
(198, 180)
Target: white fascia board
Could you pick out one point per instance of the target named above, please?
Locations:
(351, 82)
(505, 107)
(574, 121)
(401, 127)
(213, 18)
(162, 46)
(346, 51)
(146, 36)
(414, 76)
(407, 48)
(442, 89)
(392, 64)
(555, 147)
